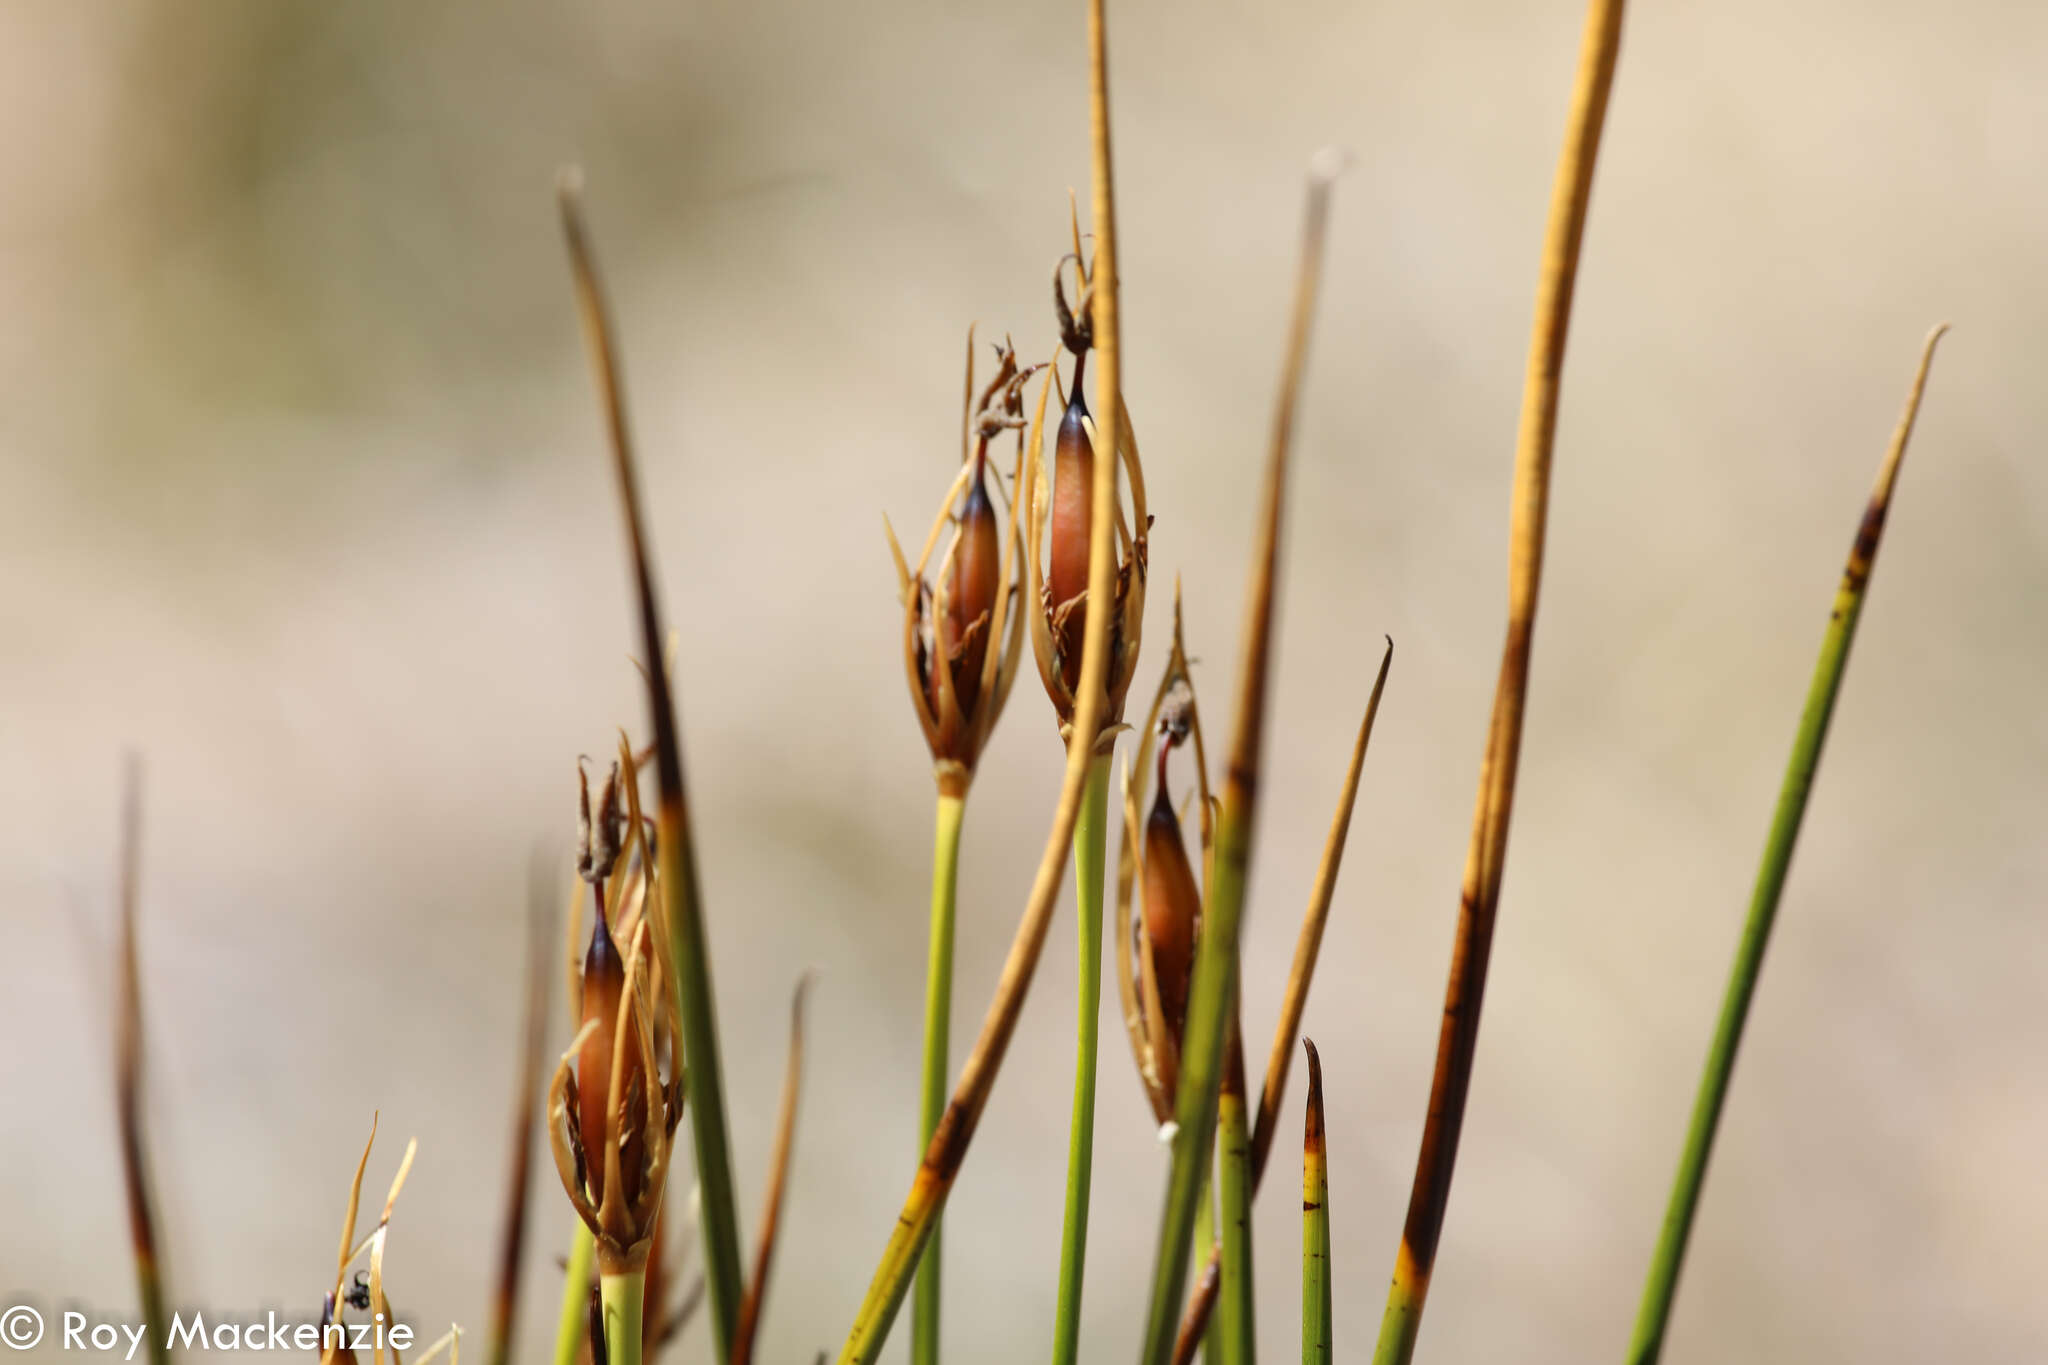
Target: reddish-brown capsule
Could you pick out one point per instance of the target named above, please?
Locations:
(1062, 532)
(1173, 907)
(1073, 496)
(604, 981)
(971, 589)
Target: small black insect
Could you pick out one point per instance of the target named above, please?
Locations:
(357, 1296)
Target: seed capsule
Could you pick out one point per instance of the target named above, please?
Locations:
(971, 590)
(604, 980)
(1172, 915)
(1073, 497)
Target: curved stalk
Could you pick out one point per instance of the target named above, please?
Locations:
(938, 1014)
(1090, 844)
(623, 1297)
(1655, 1314)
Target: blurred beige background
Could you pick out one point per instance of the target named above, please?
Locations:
(302, 494)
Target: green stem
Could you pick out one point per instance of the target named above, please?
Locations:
(575, 1297)
(1655, 1313)
(623, 1297)
(1234, 1318)
(1090, 831)
(702, 1082)
(938, 1013)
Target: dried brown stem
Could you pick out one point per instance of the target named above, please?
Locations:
(778, 1182)
(512, 1244)
(1479, 898)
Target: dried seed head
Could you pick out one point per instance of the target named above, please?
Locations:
(612, 1107)
(962, 632)
(1062, 512)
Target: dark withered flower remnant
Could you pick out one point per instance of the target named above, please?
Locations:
(962, 632)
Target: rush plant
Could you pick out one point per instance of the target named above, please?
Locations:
(1055, 550)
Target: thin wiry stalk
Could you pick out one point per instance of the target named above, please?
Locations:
(1308, 944)
(778, 1183)
(1090, 843)
(512, 1244)
(1316, 1310)
(1213, 997)
(570, 1331)
(1480, 897)
(948, 1147)
(938, 1012)
(1654, 1316)
(149, 1276)
(1237, 1334)
(690, 977)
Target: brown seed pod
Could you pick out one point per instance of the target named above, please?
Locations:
(962, 631)
(1158, 901)
(1073, 481)
(604, 984)
(1173, 912)
(975, 579)
(1060, 510)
